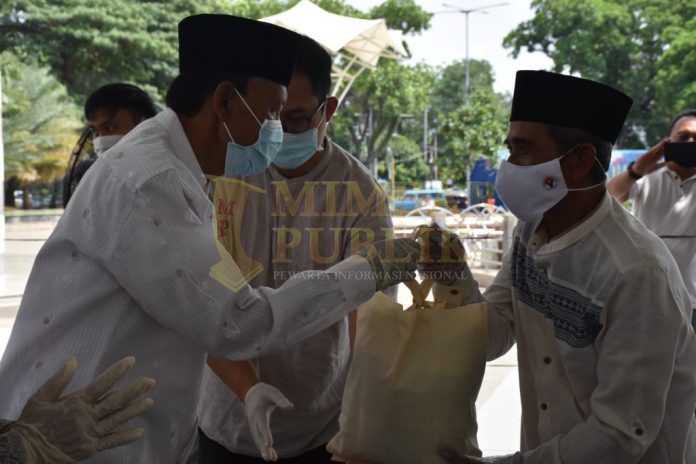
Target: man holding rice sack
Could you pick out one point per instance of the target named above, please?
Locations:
(594, 301)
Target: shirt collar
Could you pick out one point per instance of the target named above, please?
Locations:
(675, 177)
(581, 230)
(181, 146)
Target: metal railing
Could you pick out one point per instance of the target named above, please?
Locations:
(486, 230)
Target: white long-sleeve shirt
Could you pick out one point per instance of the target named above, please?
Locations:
(127, 272)
(606, 352)
(666, 204)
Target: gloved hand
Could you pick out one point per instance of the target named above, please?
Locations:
(450, 455)
(444, 257)
(12, 448)
(260, 402)
(393, 260)
(445, 263)
(59, 429)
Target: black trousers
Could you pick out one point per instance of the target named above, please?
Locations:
(211, 452)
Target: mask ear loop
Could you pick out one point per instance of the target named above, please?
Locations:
(227, 129)
(320, 146)
(247, 106)
(323, 112)
(224, 124)
(596, 161)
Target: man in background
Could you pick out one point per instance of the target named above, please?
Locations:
(112, 111)
(664, 196)
(115, 109)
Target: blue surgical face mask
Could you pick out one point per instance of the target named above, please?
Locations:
(253, 159)
(297, 149)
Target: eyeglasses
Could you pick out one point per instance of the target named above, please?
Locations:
(299, 124)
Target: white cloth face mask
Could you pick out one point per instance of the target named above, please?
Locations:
(104, 142)
(530, 191)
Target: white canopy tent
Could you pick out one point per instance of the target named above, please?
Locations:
(358, 43)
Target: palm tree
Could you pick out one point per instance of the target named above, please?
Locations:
(40, 123)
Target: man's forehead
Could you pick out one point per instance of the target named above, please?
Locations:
(103, 114)
(685, 123)
(527, 130)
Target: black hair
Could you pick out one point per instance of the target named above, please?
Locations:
(315, 63)
(119, 95)
(568, 138)
(188, 92)
(684, 114)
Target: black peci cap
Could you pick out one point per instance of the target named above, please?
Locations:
(568, 101)
(238, 45)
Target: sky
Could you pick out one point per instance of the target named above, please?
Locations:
(445, 41)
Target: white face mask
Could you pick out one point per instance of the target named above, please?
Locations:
(104, 142)
(530, 191)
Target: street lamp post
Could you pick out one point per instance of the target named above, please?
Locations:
(467, 12)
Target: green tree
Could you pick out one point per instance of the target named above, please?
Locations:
(473, 130)
(411, 168)
(90, 43)
(676, 77)
(448, 91)
(376, 104)
(40, 123)
(620, 43)
(467, 132)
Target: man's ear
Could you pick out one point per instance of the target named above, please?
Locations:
(331, 107)
(222, 97)
(584, 162)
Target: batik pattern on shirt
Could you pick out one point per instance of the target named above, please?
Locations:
(575, 318)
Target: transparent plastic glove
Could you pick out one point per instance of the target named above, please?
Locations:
(12, 449)
(393, 260)
(450, 455)
(444, 257)
(444, 261)
(260, 402)
(75, 427)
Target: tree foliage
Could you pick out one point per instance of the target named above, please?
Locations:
(411, 167)
(449, 89)
(378, 101)
(85, 44)
(634, 45)
(472, 131)
(467, 132)
(90, 43)
(676, 76)
(40, 121)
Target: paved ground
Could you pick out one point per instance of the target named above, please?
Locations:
(498, 403)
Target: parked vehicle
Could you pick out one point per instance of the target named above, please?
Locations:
(416, 198)
(457, 200)
(19, 198)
